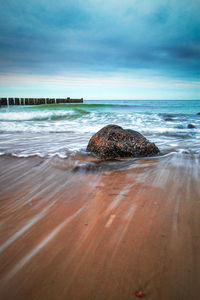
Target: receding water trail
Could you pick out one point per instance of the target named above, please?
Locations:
(26, 227)
(119, 197)
(42, 244)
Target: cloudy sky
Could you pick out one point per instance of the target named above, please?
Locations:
(100, 49)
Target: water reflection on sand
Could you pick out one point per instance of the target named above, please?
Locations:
(79, 228)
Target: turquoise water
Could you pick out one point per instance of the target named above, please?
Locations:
(49, 130)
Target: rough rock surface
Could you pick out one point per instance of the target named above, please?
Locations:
(114, 141)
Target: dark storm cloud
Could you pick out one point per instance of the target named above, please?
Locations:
(186, 52)
(45, 37)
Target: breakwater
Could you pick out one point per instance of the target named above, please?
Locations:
(37, 101)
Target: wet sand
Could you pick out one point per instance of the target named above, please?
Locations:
(100, 235)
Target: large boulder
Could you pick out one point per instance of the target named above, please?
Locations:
(114, 141)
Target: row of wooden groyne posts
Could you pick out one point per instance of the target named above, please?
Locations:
(37, 101)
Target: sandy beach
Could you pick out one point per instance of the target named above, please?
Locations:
(70, 233)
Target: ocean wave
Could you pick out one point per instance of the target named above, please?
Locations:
(41, 116)
(45, 129)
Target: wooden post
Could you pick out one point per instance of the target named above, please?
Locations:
(16, 101)
(50, 101)
(76, 100)
(3, 101)
(11, 101)
(31, 101)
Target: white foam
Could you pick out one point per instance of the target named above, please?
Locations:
(32, 115)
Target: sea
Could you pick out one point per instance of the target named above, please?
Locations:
(65, 129)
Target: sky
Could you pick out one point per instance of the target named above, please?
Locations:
(100, 49)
